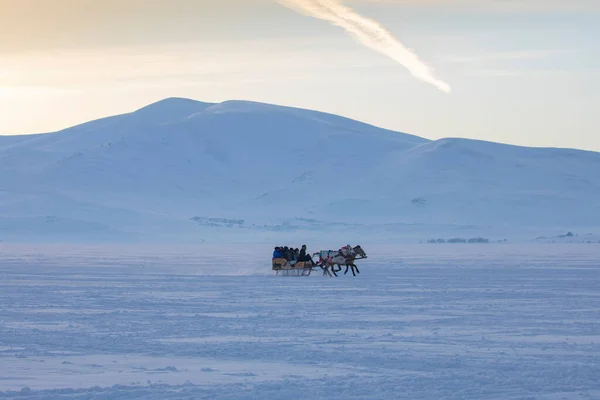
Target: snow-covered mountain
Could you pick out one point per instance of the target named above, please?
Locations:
(182, 169)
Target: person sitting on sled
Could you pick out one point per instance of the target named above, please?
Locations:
(303, 256)
(277, 253)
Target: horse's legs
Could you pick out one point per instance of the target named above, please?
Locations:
(357, 270)
(327, 269)
(334, 271)
(346, 271)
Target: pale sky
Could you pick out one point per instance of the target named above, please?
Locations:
(521, 71)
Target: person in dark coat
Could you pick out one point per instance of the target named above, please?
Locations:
(303, 256)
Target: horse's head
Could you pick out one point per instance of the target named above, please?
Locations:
(358, 250)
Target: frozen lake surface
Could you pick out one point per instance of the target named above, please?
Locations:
(213, 322)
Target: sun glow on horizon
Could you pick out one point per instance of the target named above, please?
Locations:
(526, 73)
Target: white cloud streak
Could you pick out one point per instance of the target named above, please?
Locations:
(368, 32)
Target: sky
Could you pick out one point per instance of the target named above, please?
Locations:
(524, 72)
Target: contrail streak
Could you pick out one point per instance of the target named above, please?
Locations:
(368, 32)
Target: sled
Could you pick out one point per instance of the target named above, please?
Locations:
(283, 267)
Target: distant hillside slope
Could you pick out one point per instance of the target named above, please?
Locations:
(149, 172)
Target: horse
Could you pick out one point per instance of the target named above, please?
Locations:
(326, 260)
(346, 256)
(350, 255)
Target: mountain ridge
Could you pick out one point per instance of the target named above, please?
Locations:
(160, 170)
(170, 101)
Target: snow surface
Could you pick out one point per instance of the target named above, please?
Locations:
(212, 322)
(145, 175)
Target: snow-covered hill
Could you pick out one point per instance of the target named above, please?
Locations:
(182, 169)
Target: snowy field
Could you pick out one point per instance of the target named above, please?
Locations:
(212, 322)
